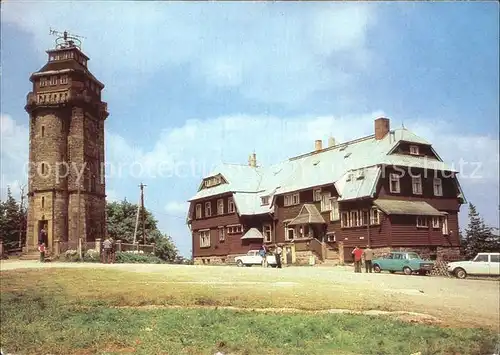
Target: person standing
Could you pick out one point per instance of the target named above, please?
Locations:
(41, 249)
(42, 236)
(106, 246)
(277, 253)
(358, 253)
(368, 254)
(262, 253)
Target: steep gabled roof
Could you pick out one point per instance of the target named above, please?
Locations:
(329, 166)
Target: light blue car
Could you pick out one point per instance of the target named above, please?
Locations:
(406, 262)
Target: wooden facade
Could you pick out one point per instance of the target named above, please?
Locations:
(346, 223)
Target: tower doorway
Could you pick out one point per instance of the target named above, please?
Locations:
(43, 224)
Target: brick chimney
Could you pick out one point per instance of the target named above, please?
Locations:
(318, 145)
(382, 127)
(252, 160)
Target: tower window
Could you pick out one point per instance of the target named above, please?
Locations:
(64, 79)
(43, 202)
(43, 168)
(43, 131)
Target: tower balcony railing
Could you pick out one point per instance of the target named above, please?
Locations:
(48, 98)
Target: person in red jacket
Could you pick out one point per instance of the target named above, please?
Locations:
(358, 253)
(41, 249)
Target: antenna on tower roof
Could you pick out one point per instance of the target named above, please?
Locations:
(66, 40)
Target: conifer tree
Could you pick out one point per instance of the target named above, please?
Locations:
(478, 236)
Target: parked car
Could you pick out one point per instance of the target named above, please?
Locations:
(484, 264)
(253, 258)
(407, 262)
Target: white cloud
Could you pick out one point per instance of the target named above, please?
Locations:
(272, 52)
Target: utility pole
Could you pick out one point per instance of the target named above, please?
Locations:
(137, 221)
(21, 220)
(142, 186)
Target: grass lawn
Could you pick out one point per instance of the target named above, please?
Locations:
(87, 311)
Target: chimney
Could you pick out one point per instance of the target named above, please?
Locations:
(318, 145)
(382, 127)
(331, 142)
(252, 160)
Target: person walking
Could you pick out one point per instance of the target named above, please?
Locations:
(277, 253)
(368, 254)
(358, 253)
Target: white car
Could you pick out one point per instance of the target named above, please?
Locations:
(253, 258)
(484, 264)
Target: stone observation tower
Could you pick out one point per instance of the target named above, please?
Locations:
(66, 149)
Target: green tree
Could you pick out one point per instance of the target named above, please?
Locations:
(121, 219)
(12, 221)
(478, 236)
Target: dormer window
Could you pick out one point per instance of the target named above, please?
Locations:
(414, 150)
(264, 200)
(213, 181)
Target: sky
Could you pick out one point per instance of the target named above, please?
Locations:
(190, 85)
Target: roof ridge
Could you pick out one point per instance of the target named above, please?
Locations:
(353, 141)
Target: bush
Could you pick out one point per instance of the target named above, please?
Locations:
(72, 256)
(139, 258)
(91, 256)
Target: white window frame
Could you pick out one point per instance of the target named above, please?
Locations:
(364, 218)
(416, 185)
(291, 199)
(422, 222)
(230, 205)
(317, 195)
(222, 234)
(437, 184)
(345, 222)
(288, 230)
(208, 209)
(354, 218)
(435, 222)
(334, 212)
(234, 229)
(394, 178)
(326, 201)
(331, 237)
(445, 225)
(264, 200)
(204, 238)
(64, 79)
(220, 206)
(43, 82)
(198, 211)
(267, 231)
(53, 80)
(374, 216)
(414, 150)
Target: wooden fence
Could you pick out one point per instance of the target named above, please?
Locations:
(61, 247)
